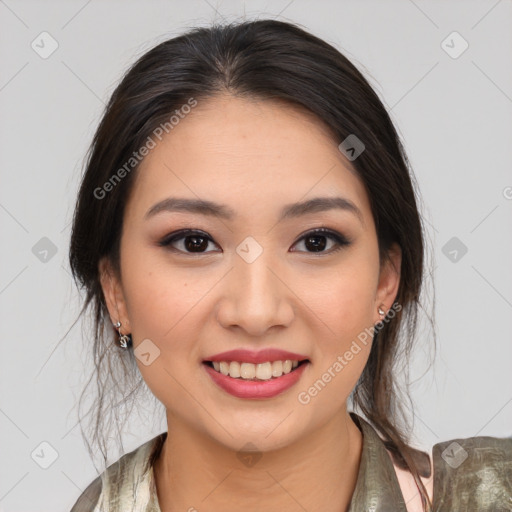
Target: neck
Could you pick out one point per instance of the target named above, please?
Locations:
(318, 472)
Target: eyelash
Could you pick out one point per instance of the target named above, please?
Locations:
(339, 239)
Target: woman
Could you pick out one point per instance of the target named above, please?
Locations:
(248, 226)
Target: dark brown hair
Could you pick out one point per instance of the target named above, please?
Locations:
(264, 59)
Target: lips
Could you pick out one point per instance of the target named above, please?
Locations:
(261, 356)
(254, 389)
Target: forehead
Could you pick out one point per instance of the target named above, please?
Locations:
(249, 154)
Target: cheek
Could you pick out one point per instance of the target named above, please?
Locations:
(344, 302)
(344, 339)
(160, 302)
(165, 304)
(350, 306)
(159, 295)
(345, 298)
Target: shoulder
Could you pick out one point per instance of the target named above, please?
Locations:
(410, 492)
(474, 472)
(89, 498)
(130, 472)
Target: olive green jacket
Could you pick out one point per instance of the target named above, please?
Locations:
(470, 475)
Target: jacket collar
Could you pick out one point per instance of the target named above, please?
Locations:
(377, 488)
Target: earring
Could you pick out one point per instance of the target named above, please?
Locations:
(125, 340)
(381, 311)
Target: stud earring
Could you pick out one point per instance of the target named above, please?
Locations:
(381, 311)
(125, 340)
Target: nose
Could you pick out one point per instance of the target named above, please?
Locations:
(255, 296)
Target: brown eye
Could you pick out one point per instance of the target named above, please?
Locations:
(318, 240)
(187, 241)
(321, 241)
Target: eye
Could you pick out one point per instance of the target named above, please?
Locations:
(317, 241)
(188, 241)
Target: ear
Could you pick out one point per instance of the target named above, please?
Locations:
(114, 296)
(389, 281)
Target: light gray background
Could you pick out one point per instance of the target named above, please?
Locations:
(454, 115)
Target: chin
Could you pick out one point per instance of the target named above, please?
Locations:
(265, 431)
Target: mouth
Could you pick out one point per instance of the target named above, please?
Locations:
(260, 372)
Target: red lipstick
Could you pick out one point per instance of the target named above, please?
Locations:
(256, 389)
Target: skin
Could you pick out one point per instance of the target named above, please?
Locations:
(254, 156)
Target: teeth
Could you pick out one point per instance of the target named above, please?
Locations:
(224, 368)
(250, 371)
(247, 371)
(234, 369)
(277, 368)
(264, 371)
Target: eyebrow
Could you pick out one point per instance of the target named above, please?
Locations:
(294, 210)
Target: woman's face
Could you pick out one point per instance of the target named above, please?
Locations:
(256, 278)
